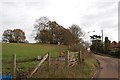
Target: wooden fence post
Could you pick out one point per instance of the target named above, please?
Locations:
(79, 61)
(14, 66)
(49, 55)
(83, 57)
(67, 58)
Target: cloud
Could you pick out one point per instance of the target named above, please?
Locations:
(105, 15)
(89, 14)
(119, 21)
(20, 15)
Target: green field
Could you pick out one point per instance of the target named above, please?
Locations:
(29, 51)
(25, 52)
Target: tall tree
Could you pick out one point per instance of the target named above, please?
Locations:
(56, 31)
(41, 27)
(51, 33)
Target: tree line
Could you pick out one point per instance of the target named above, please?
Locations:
(47, 31)
(100, 47)
(51, 32)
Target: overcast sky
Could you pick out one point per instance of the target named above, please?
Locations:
(88, 14)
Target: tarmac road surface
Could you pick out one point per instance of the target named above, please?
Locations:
(110, 67)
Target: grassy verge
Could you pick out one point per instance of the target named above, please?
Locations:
(83, 70)
(113, 55)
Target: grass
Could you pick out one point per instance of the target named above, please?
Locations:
(29, 51)
(83, 70)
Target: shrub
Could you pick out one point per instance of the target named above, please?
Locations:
(77, 48)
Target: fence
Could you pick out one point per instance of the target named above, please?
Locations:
(70, 59)
(73, 58)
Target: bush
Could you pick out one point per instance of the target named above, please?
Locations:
(77, 48)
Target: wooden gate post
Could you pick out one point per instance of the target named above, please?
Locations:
(67, 58)
(49, 55)
(14, 66)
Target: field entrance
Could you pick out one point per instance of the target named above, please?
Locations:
(44, 66)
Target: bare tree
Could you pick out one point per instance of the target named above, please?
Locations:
(41, 23)
(76, 30)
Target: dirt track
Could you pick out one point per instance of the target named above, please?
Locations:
(109, 67)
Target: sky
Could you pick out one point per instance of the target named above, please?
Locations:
(90, 15)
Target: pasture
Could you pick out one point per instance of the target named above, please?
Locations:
(29, 50)
(26, 52)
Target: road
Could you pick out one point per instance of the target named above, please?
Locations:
(109, 67)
